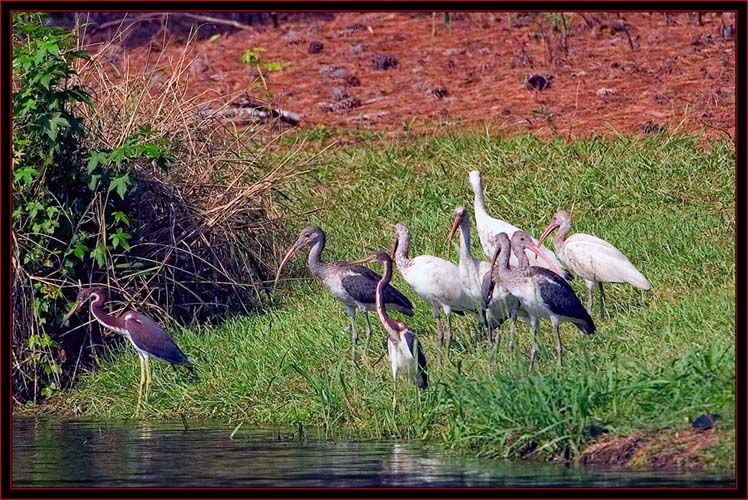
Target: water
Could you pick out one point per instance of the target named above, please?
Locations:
(51, 452)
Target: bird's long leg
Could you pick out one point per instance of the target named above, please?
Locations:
(602, 301)
(354, 333)
(439, 326)
(147, 378)
(589, 296)
(513, 315)
(559, 345)
(449, 334)
(142, 379)
(496, 342)
(535, 331)
(368, 333)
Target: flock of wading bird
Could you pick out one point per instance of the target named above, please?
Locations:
(524, 280)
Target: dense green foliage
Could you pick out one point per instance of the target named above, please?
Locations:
(658, 359)
(70, 216)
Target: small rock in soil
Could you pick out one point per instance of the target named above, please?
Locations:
(294, 38)
(356, 49)
(619, 26)
(339, 93)
(355, 27)
(347, 103)
(705, 421)
(593, 431)
(315, 47)
(440, 92)
(539, 81)
(727, 32)
(651, 128)
(605, 92)
(385, 62)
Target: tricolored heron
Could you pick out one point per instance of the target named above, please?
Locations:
(436, 281)
(146, 336)
(353, 285)
(594, 260)
(403, 348)
(540, 292)
(488, 227)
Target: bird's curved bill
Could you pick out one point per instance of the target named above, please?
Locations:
(541, 254)
(365, 260)
(72, 311)
(551, 227)
(455, 225)
(394, 248)
(289, 254)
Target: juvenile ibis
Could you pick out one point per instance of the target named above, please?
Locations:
(145, 335)
(472, 270)
(436, 281)
(488, 227)
(404, 350)
(353, 285)
(540, 292)
(594, 260)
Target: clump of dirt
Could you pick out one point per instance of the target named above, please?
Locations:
(661, 450)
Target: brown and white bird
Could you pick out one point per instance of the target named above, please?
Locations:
(436, 281)
(145, 335)
(594, 260)
(353, 285)
(404, 350)
(539, 291)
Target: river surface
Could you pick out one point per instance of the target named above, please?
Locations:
(52, 452)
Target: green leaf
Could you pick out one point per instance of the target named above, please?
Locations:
(120, 217)
(120, 238)
(99, 254)
(27, 174)
(79, 250)
(120, 184)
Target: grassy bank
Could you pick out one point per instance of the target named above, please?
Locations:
(658, 359)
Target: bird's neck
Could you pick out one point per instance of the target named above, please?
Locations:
(388, 324)
(106, 320)
(502, 262)
(315, 257)
(562, 233)
(403, 247)
(522, 260)
(480, 208)
(465, 242)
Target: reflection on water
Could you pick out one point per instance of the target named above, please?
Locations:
(53, 452)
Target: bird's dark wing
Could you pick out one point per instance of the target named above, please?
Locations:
(413, 346)
(487, 287)
(560, 297)
(361, 284)
(151, 338)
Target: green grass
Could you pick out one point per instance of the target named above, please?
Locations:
(659, 357)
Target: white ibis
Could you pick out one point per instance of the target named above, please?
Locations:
(488, 227)
(594, 260)
(436, 281)
(353, 285)
(403, 348)
(540, 292)
(146, 336)
(472, 270)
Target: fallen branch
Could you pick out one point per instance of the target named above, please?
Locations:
(257, 110)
